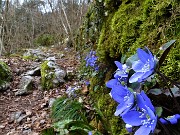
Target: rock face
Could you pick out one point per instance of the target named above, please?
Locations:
(51, 75)
(5, 76)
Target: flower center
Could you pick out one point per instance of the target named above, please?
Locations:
(146, 67)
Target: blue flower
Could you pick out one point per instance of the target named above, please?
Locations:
(129, 128)
(143, 116)
(89, 133)
(91, 60)
(111, 83)
(122, 95)
(170, 119)
(144, 67)
(122, 72)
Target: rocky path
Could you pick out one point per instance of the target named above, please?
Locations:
(29, 113)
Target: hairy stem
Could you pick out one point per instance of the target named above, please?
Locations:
(165, 80)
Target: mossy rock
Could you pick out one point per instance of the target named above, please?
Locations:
(5, 74)
(51, 75)
(47, 76)
(130, 24)
(107, 106)
(141, 23)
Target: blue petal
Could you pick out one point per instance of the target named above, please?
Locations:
(140, 101)
(147, 100)
(177, 116)
(118, 93)
(163, 121)
(120, 108)
(173, 120)
(133, 118)
(150, 54)
(135, 77)
(147, 74)
(129, 128)
(112, 82)
(118, 64)
(137, 66)
(143, 56)
(125, 106)
(143, 131)
(89, 133)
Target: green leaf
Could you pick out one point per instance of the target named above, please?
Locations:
(64, 108)
(96, 88)
(135, 86)
(167, 45)
(123, 58)
(61, 124)
(78, 125)
(155, 91)
(78, 132)
(131, 59)
(94, 74)
(175, 91)
(166, 48)
(48, 131)
(159, 111)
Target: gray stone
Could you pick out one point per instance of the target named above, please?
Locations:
(35, 53)
(51, 101)
(4, 86)
(34, 72)
(14, 116)
(51, 59)
(51, 75)
(25, 85)
(23, 116)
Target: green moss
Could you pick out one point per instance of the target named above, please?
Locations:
(47, 76)
(137, 24)
(30, 57)
(5, 73)
(106, 105)
(129, 25)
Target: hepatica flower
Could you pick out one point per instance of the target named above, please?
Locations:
(171, 119)
(144, 67)
(91, 60)
(122, 72)
(122, 95)
(143, 116)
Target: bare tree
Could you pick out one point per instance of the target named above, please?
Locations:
(21, 23)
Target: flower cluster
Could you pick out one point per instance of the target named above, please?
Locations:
(91, 60)
(134, 107)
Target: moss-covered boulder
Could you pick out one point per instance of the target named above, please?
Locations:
(142, 23)
(51, 75)
(5, 75)
(116, 28)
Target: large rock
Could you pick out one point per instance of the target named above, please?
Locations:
(51, 75)
(25, 86)
(5, 76)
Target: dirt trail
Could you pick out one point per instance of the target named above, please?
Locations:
(33, 108)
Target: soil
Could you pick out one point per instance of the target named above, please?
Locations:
(34, 106)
